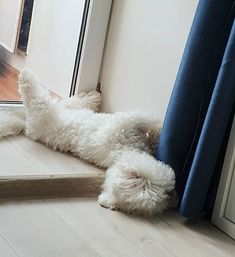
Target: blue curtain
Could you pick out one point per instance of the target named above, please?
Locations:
(201, 108)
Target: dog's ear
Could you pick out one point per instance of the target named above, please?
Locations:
(134, 174)
(143, 130)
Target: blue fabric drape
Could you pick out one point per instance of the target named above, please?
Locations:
(201, 105)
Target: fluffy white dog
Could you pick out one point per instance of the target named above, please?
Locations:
(122, 142)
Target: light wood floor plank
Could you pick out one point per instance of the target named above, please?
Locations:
(199, 234)
(5, 249)
(93, 226)
(79, 227)
(35, 230)
(158, 236)
(123, 226)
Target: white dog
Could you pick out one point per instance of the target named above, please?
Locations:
(122, 142)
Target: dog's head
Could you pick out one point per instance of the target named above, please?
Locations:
(141, 184)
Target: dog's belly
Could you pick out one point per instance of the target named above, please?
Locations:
(102, 143)
(96, 137)
(81, 132)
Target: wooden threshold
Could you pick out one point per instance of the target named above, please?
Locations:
(30, 170)
(51, 186)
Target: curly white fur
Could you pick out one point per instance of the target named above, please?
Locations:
(122, 142)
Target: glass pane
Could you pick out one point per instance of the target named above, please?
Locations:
(46, 42)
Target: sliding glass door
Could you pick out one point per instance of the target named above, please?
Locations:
(55, 39)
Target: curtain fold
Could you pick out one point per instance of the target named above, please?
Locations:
(201, 105)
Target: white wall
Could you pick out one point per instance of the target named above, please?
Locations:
(53, 43)
(144, 48)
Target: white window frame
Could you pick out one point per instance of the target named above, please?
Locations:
(219, 218)
(89, 61)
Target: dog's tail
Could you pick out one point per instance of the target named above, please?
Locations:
(12, 121)
(142, 184)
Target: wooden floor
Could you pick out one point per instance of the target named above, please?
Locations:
(75, 227)
(8, 85)
(80, 227)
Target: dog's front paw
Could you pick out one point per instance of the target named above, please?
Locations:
(25, 77)
(107, 200)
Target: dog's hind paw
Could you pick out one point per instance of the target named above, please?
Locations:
(107, 201)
